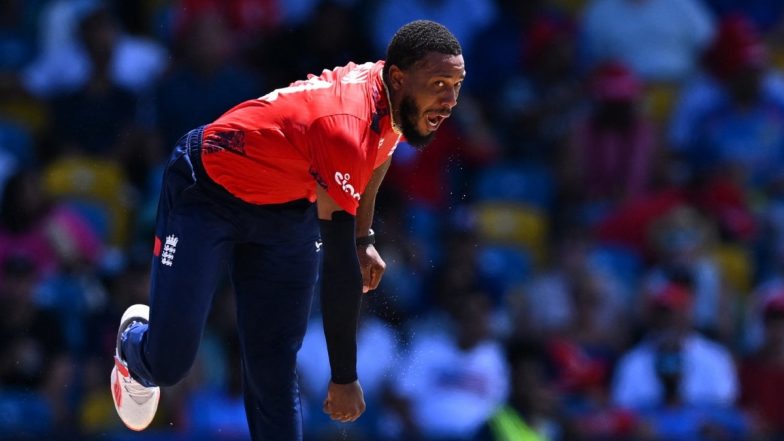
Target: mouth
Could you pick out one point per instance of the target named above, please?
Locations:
(434, 120)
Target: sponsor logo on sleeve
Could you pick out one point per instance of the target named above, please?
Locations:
(342, 180)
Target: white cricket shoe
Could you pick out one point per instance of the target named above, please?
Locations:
(135, 403)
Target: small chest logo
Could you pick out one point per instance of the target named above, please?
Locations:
(342, 180)
(169, 248)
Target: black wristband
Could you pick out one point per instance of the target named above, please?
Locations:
(370, 239)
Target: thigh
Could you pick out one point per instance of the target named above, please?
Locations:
(274, 287)
(193, 240)
(274, 272)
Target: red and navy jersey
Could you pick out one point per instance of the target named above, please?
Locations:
(331, 130)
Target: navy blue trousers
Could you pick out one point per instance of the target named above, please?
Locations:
(272, 258)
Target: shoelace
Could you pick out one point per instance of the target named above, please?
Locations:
(136, 391)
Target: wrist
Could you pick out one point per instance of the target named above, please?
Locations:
(370, 239)
(345, 379)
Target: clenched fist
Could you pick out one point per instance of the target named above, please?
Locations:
(345, 402)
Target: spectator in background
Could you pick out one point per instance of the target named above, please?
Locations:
(584, 352)
(532, 412)
(709, 378)
(49, 235)
(570, 293)
(612, 150)
(21, 116)
(661, 40)
(493, 45)
(464, 17)
(34, 362)
(578, 312)
(451, 382)
(674, 419)
(62, 250)
(762, 373)
(57, 23)
(682, 240)
(91, 119)
(246, 19)
(330, 37)
(729, 123)
(533, 108)
(206, 63)
(64, 64)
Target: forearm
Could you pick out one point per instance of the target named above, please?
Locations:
(367, 204)
(341, 291)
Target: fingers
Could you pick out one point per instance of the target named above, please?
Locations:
(341, 416)
(367, 270)
(344, 402)
(371, 276)
(367, 278)
(372, 267)
(375, 275)
(372, 280)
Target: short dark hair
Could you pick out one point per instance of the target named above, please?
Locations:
(413, 41)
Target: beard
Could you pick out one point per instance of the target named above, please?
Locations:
(409, 117)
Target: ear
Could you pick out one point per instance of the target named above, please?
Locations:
(396, 77)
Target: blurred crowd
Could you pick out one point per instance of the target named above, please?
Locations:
(592, 249)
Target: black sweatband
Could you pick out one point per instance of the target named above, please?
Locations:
(364, 241)
(341, 295)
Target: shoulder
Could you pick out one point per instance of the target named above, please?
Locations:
(640, 354)
(342, 128)
(705, 347)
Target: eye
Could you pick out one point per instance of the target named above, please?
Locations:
(439, 84)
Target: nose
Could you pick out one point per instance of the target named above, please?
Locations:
(448, 97)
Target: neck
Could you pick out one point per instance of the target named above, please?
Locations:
(392, 111)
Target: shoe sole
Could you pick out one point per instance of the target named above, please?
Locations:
(115, 382)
